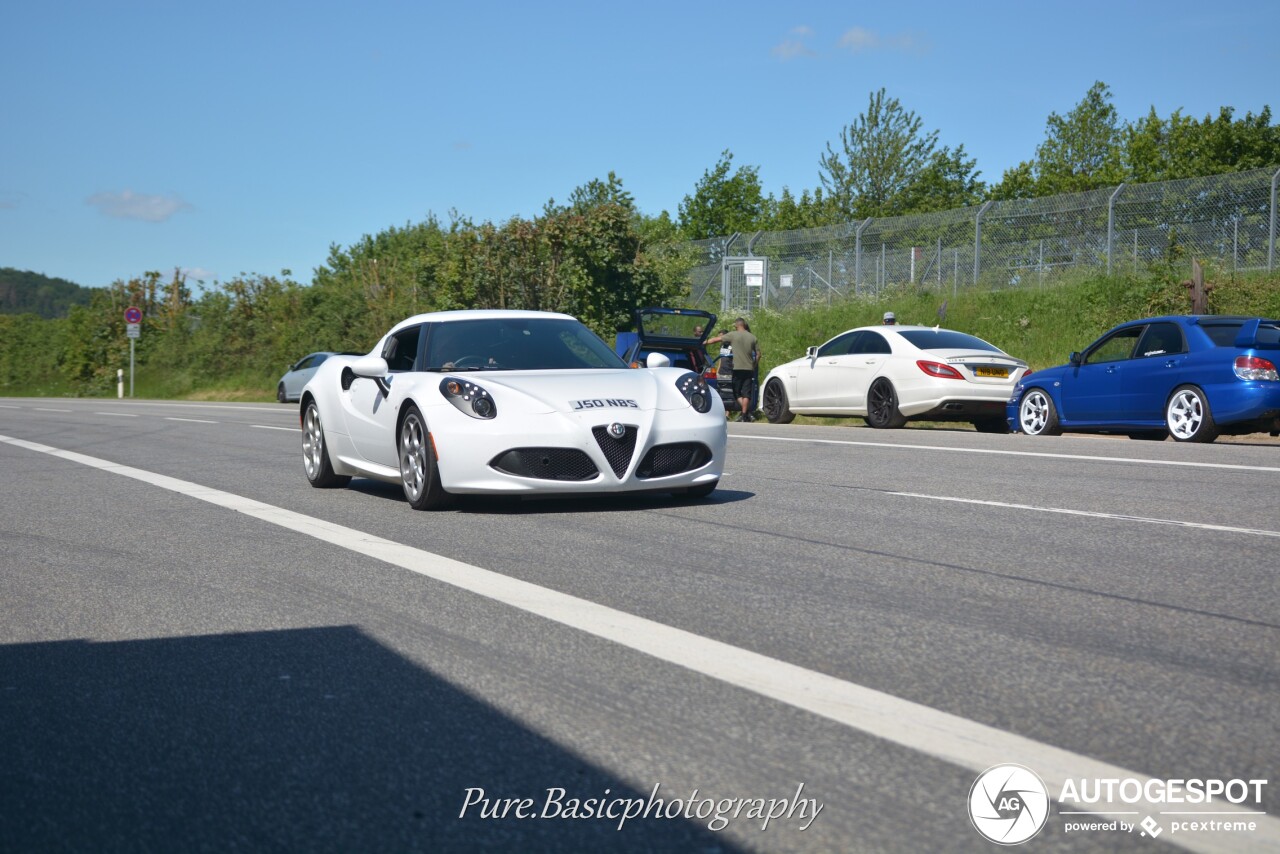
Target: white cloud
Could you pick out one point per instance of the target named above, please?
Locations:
(861, 39)
(143, 206)
(795, 47)
(199, 274)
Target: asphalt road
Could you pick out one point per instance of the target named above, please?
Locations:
(198, 651)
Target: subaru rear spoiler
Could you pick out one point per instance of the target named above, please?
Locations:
(1247, 337)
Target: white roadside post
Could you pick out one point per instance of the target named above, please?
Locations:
(120, 383)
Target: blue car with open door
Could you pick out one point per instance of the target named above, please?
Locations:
(1192, 377)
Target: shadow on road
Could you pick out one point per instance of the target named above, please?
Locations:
(299, 740)
(506, 505)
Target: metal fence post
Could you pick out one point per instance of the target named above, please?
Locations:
(939, 263)
(1235, 244)
(857, 254)
(1111, 224)
(1271, 247)
(977, 241)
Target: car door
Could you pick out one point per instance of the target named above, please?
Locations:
(1156, 369)
(371, 406)
(820, 379)
(866, 360)
(1093, 390)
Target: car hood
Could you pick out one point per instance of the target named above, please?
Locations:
(578, 391)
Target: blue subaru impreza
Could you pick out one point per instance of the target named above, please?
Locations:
(1191, 377)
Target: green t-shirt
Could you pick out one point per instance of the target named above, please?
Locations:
(744, 345)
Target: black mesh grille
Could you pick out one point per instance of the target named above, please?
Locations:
(617, 451)
(666, 460)
(546, 463)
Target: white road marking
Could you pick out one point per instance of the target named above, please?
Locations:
(191, 420)
(118, 414)
(9, 407)
(944, 736)
(45, 409)
(1044, 454)
(1121, 517)
(268, 427)
(190, 404)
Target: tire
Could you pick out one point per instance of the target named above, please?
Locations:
(419, 474)
(882, 406)
(991, 425)
(776, 406)
(1037, 416)
(1188, 417)
(315, 452)
(280, 394)
(702, 490)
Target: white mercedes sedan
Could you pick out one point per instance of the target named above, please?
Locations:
(891, 374)
(508, 402)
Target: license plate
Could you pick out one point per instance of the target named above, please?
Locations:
(991, 372)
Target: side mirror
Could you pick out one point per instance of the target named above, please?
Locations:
(1075, 359)
(370, 367)
(811, 353)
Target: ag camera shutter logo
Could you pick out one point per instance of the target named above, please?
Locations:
(1008, 804)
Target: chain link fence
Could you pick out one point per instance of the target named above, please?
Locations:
(1228, 220)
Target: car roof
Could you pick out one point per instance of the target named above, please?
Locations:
(479, 314)
(1197, 318)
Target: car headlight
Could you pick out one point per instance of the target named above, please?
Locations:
(694, 388)
(469, 398)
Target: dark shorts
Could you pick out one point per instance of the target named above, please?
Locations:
(743, 383)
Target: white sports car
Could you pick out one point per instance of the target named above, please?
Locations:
(508, 402)
(890, 374)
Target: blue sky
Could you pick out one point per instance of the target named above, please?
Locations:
(236, 137)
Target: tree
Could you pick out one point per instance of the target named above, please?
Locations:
(1157, 149)
(881, 154)
(1227, 144)
(723, 203)
(947, 181)
(1081, 151)
(809, 211)
(596, 192)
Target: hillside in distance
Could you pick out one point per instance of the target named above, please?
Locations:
(25, 292)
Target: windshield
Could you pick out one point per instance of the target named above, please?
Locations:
(516, 344)
(946, 339)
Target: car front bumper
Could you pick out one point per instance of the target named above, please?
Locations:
(562, 453)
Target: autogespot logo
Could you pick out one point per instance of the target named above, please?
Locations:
(1008, 804)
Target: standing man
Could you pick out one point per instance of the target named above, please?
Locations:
(746, 362)
(890, 319)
